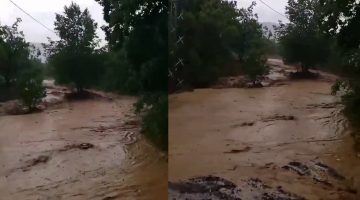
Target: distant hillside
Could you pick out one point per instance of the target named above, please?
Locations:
(39, 47)
(269, 25)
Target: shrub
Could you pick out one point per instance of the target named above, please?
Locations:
(155, 119)
(31, 89)
(254, 65)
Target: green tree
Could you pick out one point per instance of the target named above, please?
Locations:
(14, 52)
(73, 57)
(140, 29)
(301, 40)
(254, 45)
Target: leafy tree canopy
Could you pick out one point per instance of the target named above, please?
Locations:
(14, 52)
(341, 20)
(140, 27)
(216, 33)
(74, 57)
(76, 29)
(301, 40)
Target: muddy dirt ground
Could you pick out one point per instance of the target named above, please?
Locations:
(285, 141)
(88, 149)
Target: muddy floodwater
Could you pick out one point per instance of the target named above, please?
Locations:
(290, 139)
(88, 149)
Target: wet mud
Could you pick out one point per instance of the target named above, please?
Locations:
(290, 135)
(85, 149)
(212, 187)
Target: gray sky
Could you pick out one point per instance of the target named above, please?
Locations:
(44, 11)
(266, 14)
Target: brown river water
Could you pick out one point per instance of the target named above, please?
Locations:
(266, 134)
(79, 150)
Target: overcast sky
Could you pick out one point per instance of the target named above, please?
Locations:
(44, 11)
(266, 14)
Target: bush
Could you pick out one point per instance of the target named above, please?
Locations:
(254, 65)
(155, 119)
(31, 89)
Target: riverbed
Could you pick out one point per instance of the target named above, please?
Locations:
(291, 136)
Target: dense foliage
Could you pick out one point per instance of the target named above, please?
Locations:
(216, 34)
(119, 75)
(14, 52)
(137, 34)
(341, 20)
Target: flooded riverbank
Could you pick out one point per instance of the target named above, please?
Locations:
(291, 136)
(88, 149)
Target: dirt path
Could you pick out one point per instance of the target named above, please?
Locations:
(80, 150)
(287, 141)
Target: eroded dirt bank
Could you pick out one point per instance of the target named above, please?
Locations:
(288, 141)
(88, 149)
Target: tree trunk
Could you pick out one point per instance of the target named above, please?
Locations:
(7, 81)
(8, 72)
(304, 69)
(79, 89)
